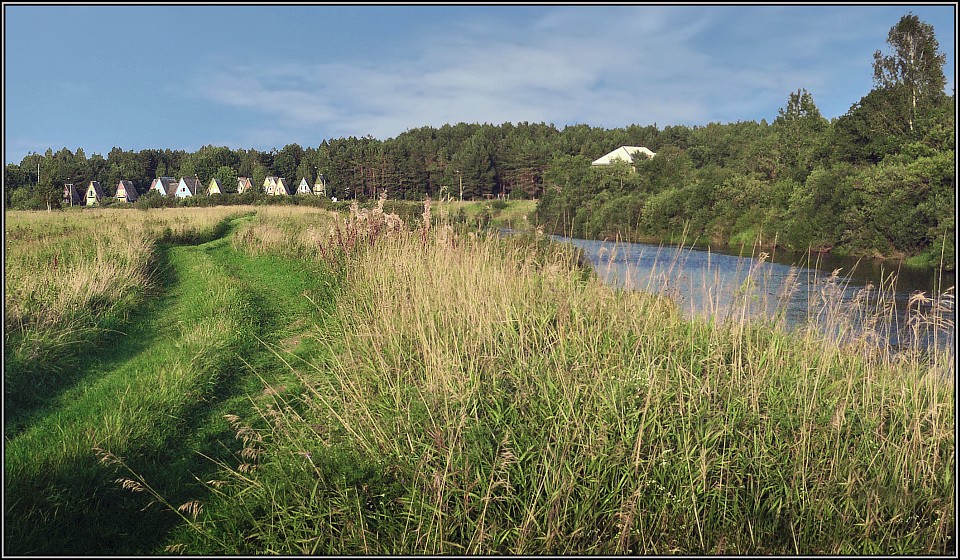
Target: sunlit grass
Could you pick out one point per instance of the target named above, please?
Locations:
(293, 231)
(70, 277)
(511, 214)
(474, 394)
(483, 395)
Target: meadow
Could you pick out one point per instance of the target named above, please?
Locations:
(295, 381)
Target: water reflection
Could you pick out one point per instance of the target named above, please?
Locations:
(843, 297)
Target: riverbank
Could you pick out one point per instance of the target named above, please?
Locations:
(752, 245)
(481, 395)
(386, 389)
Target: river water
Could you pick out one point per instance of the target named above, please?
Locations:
(863, 299)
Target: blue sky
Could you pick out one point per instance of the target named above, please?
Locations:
(246, 76)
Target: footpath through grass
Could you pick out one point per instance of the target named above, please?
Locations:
(156, 394)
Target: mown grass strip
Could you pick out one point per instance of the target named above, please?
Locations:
(157, 399)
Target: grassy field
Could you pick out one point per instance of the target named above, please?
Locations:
(487, 213)
(71, 278)
(307, 383)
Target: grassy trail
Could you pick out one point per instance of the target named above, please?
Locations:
(156, 395)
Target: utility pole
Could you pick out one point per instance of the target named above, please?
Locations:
(460, 176)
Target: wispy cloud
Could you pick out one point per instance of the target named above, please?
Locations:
(604, 67)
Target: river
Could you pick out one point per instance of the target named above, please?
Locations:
(874, 299)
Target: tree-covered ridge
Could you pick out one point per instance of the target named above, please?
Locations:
(877, 181)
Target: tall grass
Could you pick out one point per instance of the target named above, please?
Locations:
(71, 277)
(868, 320)
(512, 214)
(149, 404)
(483, 395)
(291, 231)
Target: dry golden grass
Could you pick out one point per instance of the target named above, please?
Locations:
(72, 276)
(64, 264)
(294, 231)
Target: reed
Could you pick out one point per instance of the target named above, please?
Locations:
(483, 395)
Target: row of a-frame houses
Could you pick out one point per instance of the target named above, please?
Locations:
(189, 186)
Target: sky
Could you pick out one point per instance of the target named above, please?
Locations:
(263, 76)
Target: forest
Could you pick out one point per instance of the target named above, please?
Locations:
(878, 181)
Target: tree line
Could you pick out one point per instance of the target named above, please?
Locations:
(878, 180)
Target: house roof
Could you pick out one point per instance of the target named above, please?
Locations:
(70, 193)
(128, 190)
(282, 184)
(320, 185)
(304, 185)
(624, 153)
(214, 184)
(95, 185)
(192, 184)
(165, 183)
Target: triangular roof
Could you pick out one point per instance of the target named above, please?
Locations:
(214, 185)
(70, 194)
(244, 183)
(129, 191)
(270, 184)
(192, 184)
(166, 184)
(304, 186)
(624, 153)
(97, 191)
(282, 184)
(320, 184)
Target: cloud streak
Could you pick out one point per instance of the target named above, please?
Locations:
(603, 67)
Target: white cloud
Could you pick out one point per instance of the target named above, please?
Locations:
(609, 67)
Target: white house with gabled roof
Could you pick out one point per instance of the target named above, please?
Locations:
(164, 185)
(304, 187)
(627, 154)
(188, 186)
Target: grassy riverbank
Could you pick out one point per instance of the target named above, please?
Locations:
(481, 395)
(398, 390)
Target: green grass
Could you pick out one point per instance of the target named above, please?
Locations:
(479, 214)
(156, 394)
(480, 397)
(363, 389)
(72, 279)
